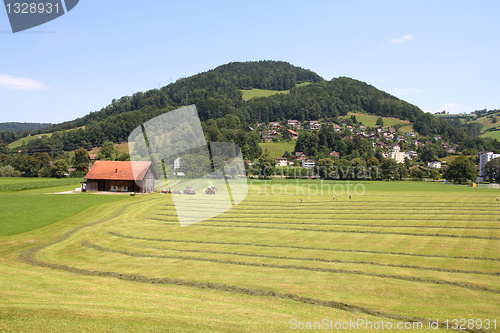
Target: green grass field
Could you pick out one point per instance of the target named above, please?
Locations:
(20, 142)
(277, 149)
(395, 251)
(370, 121)
(253, 93)
(494, 135)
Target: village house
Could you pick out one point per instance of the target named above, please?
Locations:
(281, 161)
(292, 122)
(411, 153)
(120, 176)
(267, 138)
(314, 124)
(308, 163)
(434, 165)
(397, 155)
(335, 154)
(294, 134)
(300, 155)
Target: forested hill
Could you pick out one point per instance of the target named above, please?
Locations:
(215, 92)
(329, 99)
(20, 127)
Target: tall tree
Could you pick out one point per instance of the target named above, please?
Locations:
(59, 168)
(461, 170)
(389, 168)
(266, 165)
(493, 170)
(81, 159)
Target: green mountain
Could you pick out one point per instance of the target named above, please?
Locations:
(217, 93)
(218, 97)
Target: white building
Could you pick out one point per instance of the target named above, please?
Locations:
(484, 158)
(434, 165)
(308, 163)
(281, 161)
(398, 156)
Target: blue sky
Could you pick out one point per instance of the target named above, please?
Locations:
(438, 55)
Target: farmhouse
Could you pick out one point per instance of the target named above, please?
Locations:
(120, 176)
(294, 134)
(281, 161)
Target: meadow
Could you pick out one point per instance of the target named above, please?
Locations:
(278, 148)
(371, 120)
(397, 252)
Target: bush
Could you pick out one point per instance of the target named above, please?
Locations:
(6, 171)
(77, 174)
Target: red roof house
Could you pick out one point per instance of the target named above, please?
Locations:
(120, 176)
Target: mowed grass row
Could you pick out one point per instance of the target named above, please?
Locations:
(388, 272)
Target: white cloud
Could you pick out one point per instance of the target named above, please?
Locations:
(402, 39)
(20, 83)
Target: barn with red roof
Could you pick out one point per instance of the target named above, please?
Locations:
(120, 176)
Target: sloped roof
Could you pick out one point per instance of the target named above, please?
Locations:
(118, 170)
(292, 132)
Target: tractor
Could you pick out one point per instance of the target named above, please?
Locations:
(210, 190)
(189, 190)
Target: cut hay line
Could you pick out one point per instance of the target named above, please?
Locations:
(358, 211)
(338, 231)
(219, 218)
(28, 256)
(346, 202)
(470, 286)
(343, 217)
(301, 247)
(336, 261)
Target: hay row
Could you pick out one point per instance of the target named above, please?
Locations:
(470, 286)
(113, 233)
(219, 218)
(336, 261)
(344, 231)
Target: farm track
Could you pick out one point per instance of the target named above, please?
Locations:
(338, 231)
(302, 248)
(294, 267)
(218, 218)
(28, 256)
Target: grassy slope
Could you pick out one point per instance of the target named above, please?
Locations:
(487, 124)
(20, 142)
(494, 135)
(253, 93)
(370, 121)
(55, 299)
(277, 149)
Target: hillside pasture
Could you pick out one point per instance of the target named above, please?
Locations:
(254, 93)
(25, 140)
(277, 149)
(397, 252)
(370, 120)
